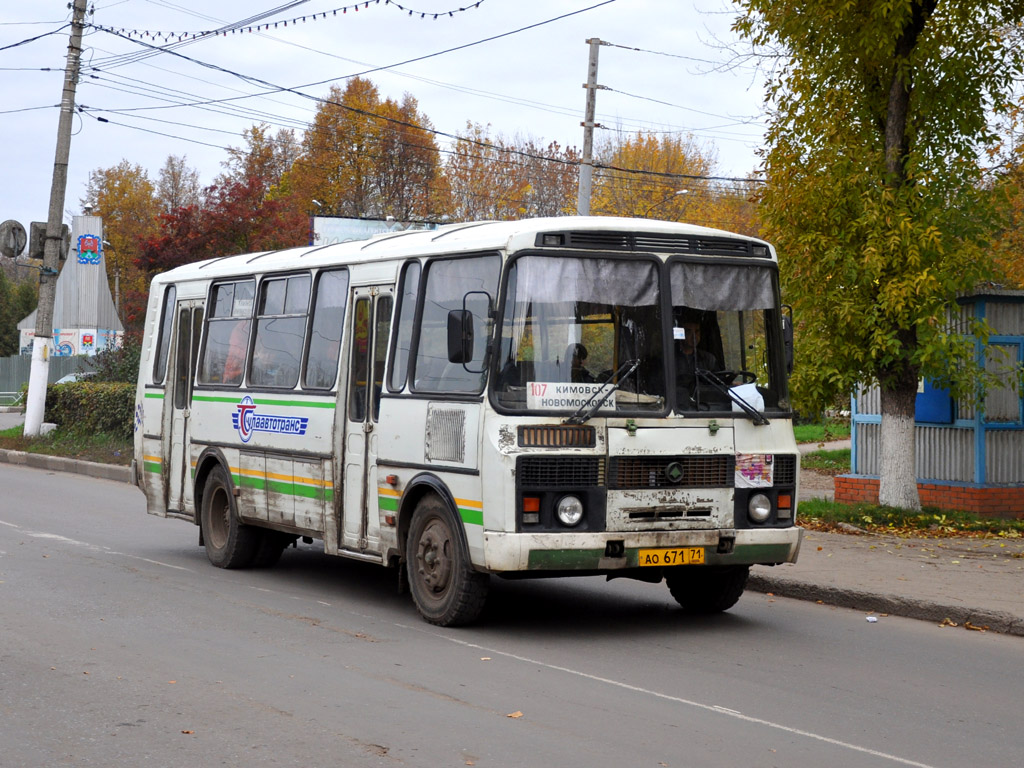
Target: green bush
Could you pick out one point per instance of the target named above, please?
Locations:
(120, 363)
(92, 406)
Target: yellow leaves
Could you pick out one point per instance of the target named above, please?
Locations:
(515, 715)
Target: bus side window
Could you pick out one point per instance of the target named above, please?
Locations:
(163, 342)
(325, 329)
(227, 333)
(357, 385)
(454, 284)
(381, 339)
(407, 294)
(280, 331)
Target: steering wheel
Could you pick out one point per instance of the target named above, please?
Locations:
(729, 377)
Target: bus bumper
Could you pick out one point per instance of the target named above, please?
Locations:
(509, 552)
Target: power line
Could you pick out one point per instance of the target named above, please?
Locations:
(28, 40)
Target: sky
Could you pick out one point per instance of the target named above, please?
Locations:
(516, 65)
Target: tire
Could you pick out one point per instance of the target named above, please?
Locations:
(707, 589)
(229, 543)
(445, 588)
(271, 545)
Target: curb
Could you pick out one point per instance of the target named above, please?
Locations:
(907, 607)
(60, 464)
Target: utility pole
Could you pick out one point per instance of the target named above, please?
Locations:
(587, 165)
(36, 403)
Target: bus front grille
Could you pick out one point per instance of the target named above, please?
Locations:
(560, 472)
(634, 472)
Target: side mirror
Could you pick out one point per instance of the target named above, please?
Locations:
(460, 336)
(787, 337)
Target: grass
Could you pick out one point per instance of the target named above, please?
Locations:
(835, 462)
(821, 514)
(822, 433)
(101, 447)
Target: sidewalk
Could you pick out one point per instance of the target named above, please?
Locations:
(967, 581)
(972, 583)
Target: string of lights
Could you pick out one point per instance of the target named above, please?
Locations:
(248, 27)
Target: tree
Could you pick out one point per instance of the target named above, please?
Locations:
(17, 300)
(491, 178)
(177, 185)
(126, 199)
(367, 158)
(668, 176)
(266, 158)
(879, 112)
(1009, 188)
(236, 217)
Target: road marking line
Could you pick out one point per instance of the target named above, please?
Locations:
(688, 702)
(90, 547)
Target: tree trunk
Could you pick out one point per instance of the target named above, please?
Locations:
(898, 484)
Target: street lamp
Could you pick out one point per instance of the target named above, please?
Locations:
(117, 281)
(664, 200)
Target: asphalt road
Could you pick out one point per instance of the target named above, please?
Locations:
(121, 646)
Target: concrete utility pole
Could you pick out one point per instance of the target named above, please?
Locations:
(587, 165)
(35, 405)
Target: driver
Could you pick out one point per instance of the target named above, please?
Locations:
(689, 354)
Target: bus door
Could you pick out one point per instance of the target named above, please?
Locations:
(178, 471)
(369, 333)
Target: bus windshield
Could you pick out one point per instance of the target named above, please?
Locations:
(570, 324)
(573, 326)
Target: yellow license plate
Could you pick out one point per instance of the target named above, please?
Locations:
(674, 556)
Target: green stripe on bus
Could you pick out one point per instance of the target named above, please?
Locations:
(154, 395)
(297, 489)
(280, 403)
(287, 489)
(387, 503)
(153, 466)
(472, 516)
(297, 403)
(247, 481)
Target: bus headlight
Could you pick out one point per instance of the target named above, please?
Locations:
(759, 508)
(569, 511)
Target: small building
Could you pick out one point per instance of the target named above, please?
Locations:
(84, 318)
(967, 458)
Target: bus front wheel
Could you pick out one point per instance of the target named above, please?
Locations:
(707, 589)
(229, 543)
(444, 586)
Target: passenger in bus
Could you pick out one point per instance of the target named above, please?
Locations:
(234, 365)
(579, 373)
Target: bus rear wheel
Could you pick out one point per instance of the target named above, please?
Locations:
(229, 543)
(707, 589)
(444, 586)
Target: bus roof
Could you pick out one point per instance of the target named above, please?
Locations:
(605, 233)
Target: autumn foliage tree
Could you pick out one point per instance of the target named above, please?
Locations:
(126, 198)
(671, 177)
(365, 157)
(493, 178)
(1009, 190)
(177, 184)
(879, 112)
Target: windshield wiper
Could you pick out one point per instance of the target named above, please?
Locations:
(705, 375)
(586, 411)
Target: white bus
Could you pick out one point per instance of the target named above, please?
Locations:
(566, 396)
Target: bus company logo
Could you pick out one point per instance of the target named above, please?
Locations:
(247, 421)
